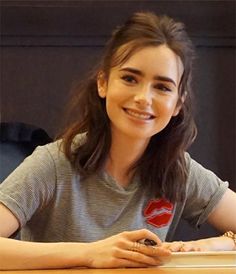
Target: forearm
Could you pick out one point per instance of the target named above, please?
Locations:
(16, 254)
(118, 251)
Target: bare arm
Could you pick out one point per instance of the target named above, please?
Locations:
(9, 223)
(223, 217)
(17, 254)
(121, 250)
(113, 252)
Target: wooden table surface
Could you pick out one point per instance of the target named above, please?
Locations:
(222, 270)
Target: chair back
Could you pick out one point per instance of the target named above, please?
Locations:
(17, 141)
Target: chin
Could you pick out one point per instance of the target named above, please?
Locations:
(137, 134)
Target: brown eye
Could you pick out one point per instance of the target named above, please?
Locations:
(129, 79)
(163, 88)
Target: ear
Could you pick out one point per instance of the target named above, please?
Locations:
(101, 84)
(180, 104)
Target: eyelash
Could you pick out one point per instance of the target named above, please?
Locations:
(163, 87)
(130, 79)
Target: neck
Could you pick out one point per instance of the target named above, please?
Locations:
(124, 153)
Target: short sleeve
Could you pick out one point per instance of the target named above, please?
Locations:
(204, 191)
(30, 186)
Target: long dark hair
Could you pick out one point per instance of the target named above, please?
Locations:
(162, 166)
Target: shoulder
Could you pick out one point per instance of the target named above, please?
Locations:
(79, 140)
(195, 169)
(200, 177)
(55, 149)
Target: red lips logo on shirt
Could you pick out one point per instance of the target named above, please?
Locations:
(158, 212)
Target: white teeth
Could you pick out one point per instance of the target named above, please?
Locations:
(138, 115)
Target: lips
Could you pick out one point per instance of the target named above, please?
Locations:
(142, 115)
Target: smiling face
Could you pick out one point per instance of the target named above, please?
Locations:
(142, 93)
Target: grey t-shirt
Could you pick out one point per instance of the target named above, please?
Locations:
(52, 204)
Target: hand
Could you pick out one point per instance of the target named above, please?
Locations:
(179, 246)
(208, 244)
(124, 250)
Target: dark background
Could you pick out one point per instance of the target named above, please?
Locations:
(47, 45)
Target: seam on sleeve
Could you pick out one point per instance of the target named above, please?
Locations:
(14, 207)
(213, 203)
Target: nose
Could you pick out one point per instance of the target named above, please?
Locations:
(143, 97)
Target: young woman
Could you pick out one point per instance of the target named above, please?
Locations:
(120, 174)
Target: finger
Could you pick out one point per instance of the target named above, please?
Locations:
(190, 247)
(173, 246)
(166, 245)
(152, 251)
(137, 235)
(128, 263)
(140, 258)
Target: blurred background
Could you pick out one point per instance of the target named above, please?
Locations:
(48, 45)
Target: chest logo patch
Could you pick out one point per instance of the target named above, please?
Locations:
(158, 212)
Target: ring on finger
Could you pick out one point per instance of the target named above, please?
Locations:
(135, 247)
(181, 246)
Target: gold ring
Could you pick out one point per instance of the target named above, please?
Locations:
(135, 247)
(181, 247)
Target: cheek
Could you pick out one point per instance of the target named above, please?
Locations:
(117, 96)
(113, 101)
(167, 106)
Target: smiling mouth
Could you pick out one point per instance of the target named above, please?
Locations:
(139, 114)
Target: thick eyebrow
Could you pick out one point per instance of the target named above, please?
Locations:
(157, 77)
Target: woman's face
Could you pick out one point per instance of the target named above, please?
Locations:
(142, 93)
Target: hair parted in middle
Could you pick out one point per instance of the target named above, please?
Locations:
(162, 167)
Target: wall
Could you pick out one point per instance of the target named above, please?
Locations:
(46, 45)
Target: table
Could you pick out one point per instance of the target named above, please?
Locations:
(222, 270)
